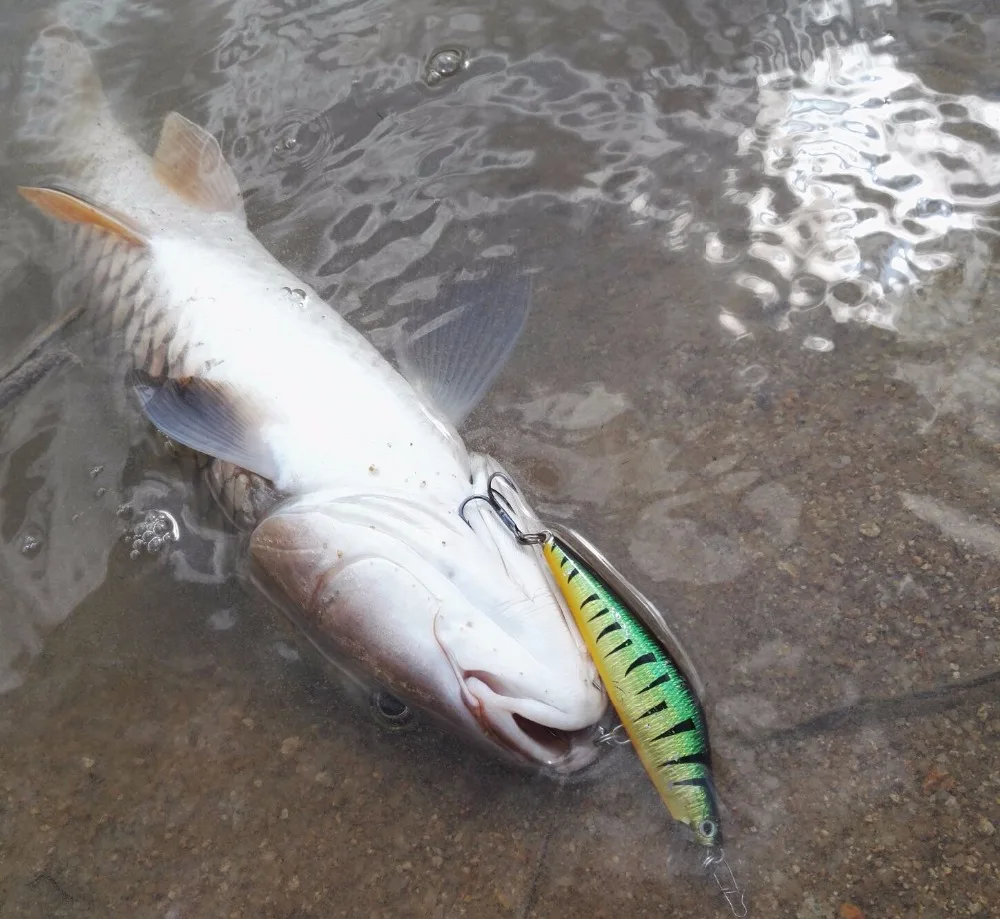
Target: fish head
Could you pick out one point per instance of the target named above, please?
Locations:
(455, 619)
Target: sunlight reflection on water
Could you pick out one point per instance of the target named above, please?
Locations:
(887, 187)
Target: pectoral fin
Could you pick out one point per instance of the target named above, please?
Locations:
(453, 359)
(206, 416)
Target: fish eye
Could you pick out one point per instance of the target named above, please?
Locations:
(707, 828)
(389, 712)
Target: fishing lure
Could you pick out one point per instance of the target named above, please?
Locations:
(658, 709)
(657, 704)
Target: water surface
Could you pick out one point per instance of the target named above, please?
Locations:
(762, 373)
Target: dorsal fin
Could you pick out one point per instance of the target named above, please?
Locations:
(189, 161)
(70, 207)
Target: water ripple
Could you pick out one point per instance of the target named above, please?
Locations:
(885, 185)
(712, 165)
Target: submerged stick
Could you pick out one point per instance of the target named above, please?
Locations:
(37, 358)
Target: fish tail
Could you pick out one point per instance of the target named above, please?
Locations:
(63, 115)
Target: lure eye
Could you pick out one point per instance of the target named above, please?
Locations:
(707, 828)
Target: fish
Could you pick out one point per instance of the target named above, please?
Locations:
(347, 470)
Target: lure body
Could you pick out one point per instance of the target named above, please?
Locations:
(656, 704)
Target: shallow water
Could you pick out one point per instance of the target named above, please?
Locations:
(762, 373)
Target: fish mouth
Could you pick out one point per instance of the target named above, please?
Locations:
(534, 732)
(570, 751)
(553, 750)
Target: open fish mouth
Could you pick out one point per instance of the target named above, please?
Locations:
(533, 733)
(527, 743)
(559, 751)
(567, 751)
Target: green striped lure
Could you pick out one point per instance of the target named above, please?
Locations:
(654, 692)
(658, 709)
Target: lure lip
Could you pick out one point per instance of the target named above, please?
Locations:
(630, 595)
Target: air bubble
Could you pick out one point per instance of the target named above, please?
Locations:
(445, 63)
(303, 138)
(31, 544)
(289, 142)
(152, 532)
(296, 294)
(817, 343)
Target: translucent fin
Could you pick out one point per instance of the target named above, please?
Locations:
(70, 207)
(189, 161)
(453, 359)
(202, 415)
(63, 113)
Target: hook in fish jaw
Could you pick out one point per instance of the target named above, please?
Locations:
(715, 864)
(503, 509)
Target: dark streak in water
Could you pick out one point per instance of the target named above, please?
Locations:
(876, 711)
(14, 384)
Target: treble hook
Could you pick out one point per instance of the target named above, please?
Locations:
(716, 865)
(616, 736)
(504, 510)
